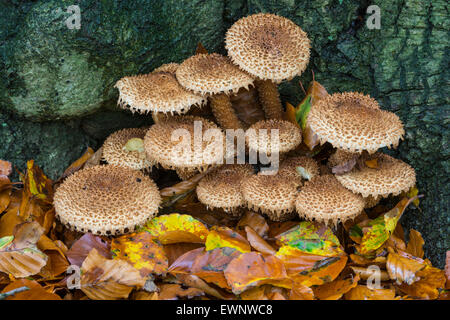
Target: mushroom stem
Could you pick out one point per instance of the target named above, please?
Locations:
(223, 111)
(269, 98)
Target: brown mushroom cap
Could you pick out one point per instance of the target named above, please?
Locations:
(289, 168)
(273, 195)
(212, 74)
(168, 67)
(172, 144)
(268, 46)
(116, 153)
(258, 136)
(107, 200)
(324, 199)
(157, 92)
(354, 122)
(221, 188)
(392, 176)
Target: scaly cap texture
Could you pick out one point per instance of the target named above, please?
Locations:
(212, 74)
(325, 200)
(392, 176)
(107, 200)
(156, 92)
(353, 122)
(268, 46)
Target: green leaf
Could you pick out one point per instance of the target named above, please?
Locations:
(303, 111)
(5, 241)
(313, 238)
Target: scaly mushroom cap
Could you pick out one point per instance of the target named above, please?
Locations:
(290, 168)
(107, 200)
(273, 195)
(116, 149)
(168, 67)
(157, 92)
(173, 143)
(268, 46)
(221, 188)
(212, 74)
(371, 201)
(259, 136)
(354, 122)
(392, 176)
(324, 199)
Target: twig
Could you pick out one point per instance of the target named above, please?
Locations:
(13, 292)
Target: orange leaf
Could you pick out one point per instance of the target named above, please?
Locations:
(175, 291)
(254, 221)
(77, 165)
(57, 262)
(403, 268)
(301, 292)
(258, 243)
(336, 289)
(366, 273)
(81, 248)
(415, 244)
(431, 279)
(5, 168)
(220, 237)
(373, 163)
(290, 114)
(447, 269)
(253, 269)
(35, 291)
(361, 292)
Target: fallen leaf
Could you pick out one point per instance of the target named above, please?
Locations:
(19, 255)
(105, 279)
(361, 292)
(313, 238)
(5, 168)
(81, 248)
(301, 292)
(431, 281)
(290, 114)
(253, 269)
(77, 164)
(415, 244)
(371, 163)
(35, 291)
(403, 268)
(171, 194)
(195, 282)
(176, 227)
(447, 269)
(336, 289)
(220, 237)
(360, 260)
(366, 273)
(254, 221)
(259, 243)
(143, 251)
(175, 250)
(57, 262)
(175, 291)
(200, 49)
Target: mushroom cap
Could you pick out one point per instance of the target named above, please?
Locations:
(174, 143)
(212, 74)
(288, 167)
(268, 46)
(168, 67)
(371, 201)
(341, 157)
(259, 136)
(324, 199)
(107, 200)
(273, 195)
(221, 188)
(157, 92)
(115, 153)
(392, 176)
(353, 122)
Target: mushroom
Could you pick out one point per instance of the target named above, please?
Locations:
(273, 195)
(324, 199)
(156, 92)
(214, 75)
(259, 137)
(303, 168)
(125, 148)
(271, 48)
(342, 161)
(168, 67)
(221, 188)
(391, 176)
(172, 143)
(107, 200)
(353, 122)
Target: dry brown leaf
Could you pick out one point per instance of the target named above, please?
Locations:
(105, 279)
(336, 289)
(175, 291)
(361, 292)
(362, 261)
(35, 291)
(431, 280)
(81, 248)
(404, 268)
(195, 282)
(301, 292)
(77, 164)
(254, 221)
(57, 262)
(366, 273)
(175, 250)
(415, 244)
(447, 269)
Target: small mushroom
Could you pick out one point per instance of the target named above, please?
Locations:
(106, 200)
(353, 122)
(214, 75)
(165, 144)
(271, 48)
(391, 176)
(221, 188)
(125, 148)
(259, 136)
(303, 168)
(155, 92)
(325, 200)
(273, 195)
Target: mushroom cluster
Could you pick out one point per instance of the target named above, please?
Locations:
(263, 50)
